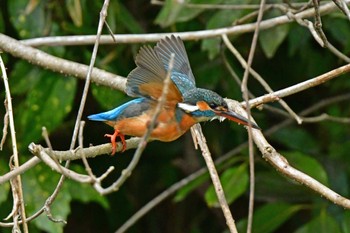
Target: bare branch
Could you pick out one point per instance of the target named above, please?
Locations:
(281, 164)
(63, 66)
(259, 78)
(154, 37)
(300, 86)
(245, 92)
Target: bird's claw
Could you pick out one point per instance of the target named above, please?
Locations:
(113, 138)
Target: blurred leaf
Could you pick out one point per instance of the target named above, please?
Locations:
(46, 104)
(84, 192)
(270, 39)
(4, 188)
(297, 138)
(345, 223)
(341, 32)
(169, 13)
(324, 223)
(23, 78)
(2, 24)
(308, 165)
(269, 217)
(223, 18)
(124, 17)
(187, 189)
(174, 11)
(38, 183)
(108, 98)
(28, 18)
(270, 185)
(298, 38)
(234, 182)
(212, 46)
(75, 12)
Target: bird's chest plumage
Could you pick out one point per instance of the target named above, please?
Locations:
(170, 124)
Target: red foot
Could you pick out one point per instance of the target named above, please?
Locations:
(113, 138)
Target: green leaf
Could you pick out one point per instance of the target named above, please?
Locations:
(183, 192)
(123, 17)
(270, 39)
(4, 188)
(173, 12)
(324, 223)
(234, 182)
(222, 18)
(345, 223)
(298, 139)
(75, 12)
(212, 46)
(38, 183)
(340, 32)
(46, 104)
(272, 186)
(28, 17)
(84, 192)
(308, 165)
(269, 217)
(24, 77)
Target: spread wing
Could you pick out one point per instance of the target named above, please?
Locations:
(146, 80)
(152, 65)
(181, 73)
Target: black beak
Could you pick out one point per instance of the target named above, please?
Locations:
(232, 116)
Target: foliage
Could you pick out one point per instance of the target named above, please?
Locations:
(286, 55)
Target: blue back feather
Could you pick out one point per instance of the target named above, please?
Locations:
(116, 113)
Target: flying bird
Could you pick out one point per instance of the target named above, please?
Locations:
(185, 104)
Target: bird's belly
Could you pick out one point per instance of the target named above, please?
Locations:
(166, 129)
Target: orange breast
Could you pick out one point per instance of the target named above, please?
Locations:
(166, 128)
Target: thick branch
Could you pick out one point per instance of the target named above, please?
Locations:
(47, 61)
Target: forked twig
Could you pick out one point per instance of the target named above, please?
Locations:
(18, 187)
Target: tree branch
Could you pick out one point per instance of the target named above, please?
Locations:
(194, 35)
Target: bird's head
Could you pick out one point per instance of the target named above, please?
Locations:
(206, 105)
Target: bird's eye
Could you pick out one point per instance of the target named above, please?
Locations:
(212, 105)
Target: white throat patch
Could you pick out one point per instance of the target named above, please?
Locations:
(188, 107)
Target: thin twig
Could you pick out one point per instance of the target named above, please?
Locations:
(326, 117)
(258, 77)
(215, 178)
(154, 37)
(309, 25)
(54, 194)
(14, 145)
(300, 86)
(229, 6)
(81, 145)
(6, 124)
(245, 92)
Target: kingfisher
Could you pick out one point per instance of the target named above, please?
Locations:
(185, 104)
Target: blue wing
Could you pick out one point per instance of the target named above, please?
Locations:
(129, 109)
(152, 64)
(181, 74)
